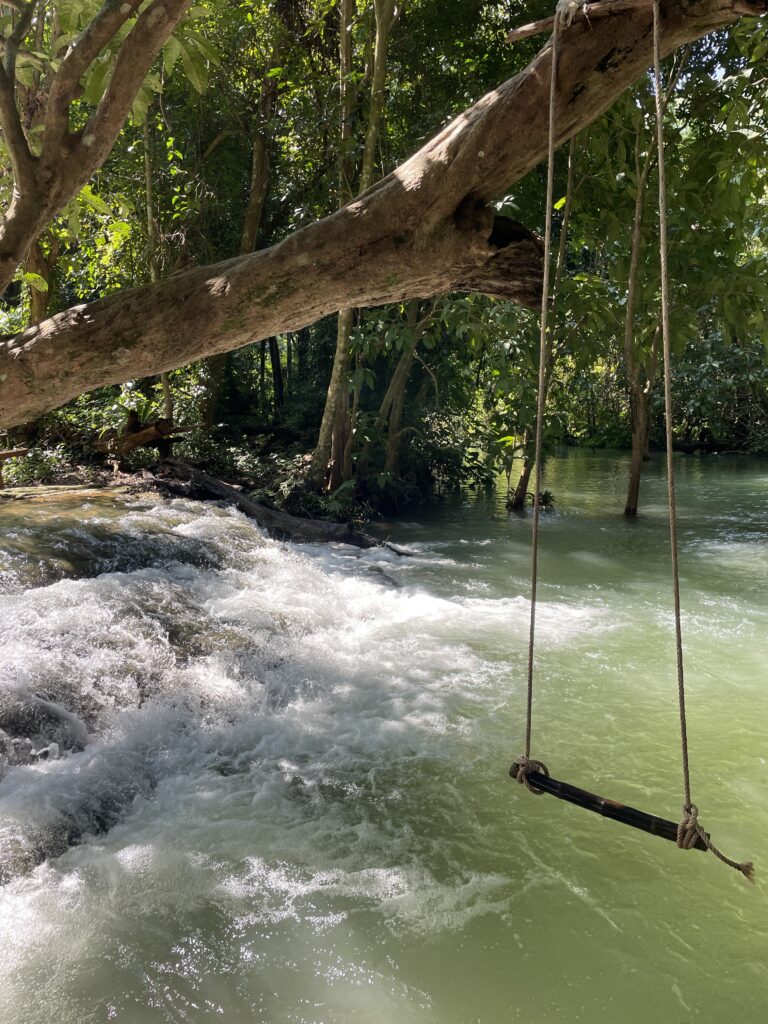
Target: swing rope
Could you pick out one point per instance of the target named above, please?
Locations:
(689, 831)
(563, 17)
(689, 828)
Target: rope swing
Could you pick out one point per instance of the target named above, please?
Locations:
(533, 774)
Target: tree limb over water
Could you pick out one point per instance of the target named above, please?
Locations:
(425, 229)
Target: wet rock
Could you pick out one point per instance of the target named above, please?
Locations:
(49, 753)
(21, 751)
(33, 721)
(23, 848)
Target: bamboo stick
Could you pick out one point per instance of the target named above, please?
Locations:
(607, 808)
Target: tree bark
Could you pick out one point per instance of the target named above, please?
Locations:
(423, 230)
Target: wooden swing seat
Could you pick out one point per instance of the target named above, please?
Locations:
(656, 826)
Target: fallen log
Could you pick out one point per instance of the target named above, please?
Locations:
(150, 434)
(281, 523)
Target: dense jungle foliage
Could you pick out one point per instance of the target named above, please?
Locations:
(258, 119)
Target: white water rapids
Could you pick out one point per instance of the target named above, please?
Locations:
(265, 783)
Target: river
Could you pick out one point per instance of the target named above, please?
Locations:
(287, 766)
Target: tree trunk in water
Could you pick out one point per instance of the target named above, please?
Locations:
(521, 491)
(640, 384)
(639, 416)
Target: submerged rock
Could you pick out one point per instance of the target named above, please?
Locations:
(33, 723)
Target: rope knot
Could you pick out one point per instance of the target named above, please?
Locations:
(522, 768)
(689, 831)
(566, 10)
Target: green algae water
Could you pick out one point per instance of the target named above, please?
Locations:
(266, 783)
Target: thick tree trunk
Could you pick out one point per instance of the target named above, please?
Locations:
(424, 230)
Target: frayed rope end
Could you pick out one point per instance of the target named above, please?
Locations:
(747, 869)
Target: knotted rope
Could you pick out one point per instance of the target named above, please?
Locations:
(521, 770)
(689, 829)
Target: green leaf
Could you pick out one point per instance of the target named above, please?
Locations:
(206, 49)
(97, 82)
(35, 281)
(171, 53)
(89, 198)
(195, 68)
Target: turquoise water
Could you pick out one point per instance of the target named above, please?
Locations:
(303, 757)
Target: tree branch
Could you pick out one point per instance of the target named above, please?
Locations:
(13, 133)
(79, 57)
(137, 55)
(14, 41)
